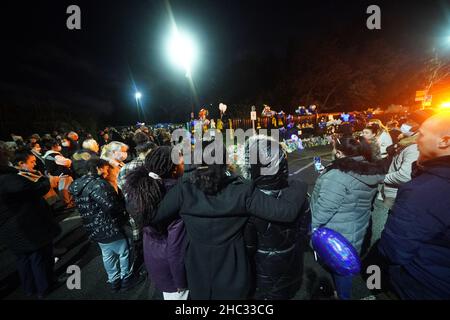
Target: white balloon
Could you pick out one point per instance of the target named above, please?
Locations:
(222, 107)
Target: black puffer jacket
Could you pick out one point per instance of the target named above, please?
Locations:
(276, 253)
(26, 220)
(100, 207)
(275, 249)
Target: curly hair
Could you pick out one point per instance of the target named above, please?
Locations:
(144, 193)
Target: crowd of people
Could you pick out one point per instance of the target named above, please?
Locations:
(41, 177)
(393, 198)
(209, 231)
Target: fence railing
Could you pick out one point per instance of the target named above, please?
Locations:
(275, 122)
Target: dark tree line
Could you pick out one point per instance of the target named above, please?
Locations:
(335, 75)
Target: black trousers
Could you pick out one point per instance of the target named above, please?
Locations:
(36, 270)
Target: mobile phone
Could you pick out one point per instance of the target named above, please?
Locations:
(318, 164)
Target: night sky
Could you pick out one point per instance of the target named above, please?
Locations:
(121, 45)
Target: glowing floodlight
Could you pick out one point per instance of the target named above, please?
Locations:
(182, 51)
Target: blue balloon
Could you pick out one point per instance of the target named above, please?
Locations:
(336, 252)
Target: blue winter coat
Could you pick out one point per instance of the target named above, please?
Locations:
(416, 238)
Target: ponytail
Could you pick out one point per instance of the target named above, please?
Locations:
(144, 193)
(144, 187)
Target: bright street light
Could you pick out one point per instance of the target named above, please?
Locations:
(138, 95)
(182, 51)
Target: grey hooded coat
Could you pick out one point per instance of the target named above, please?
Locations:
(343, 196)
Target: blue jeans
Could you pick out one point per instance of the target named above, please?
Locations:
(379, 217)
(343, 286)
(116, 259)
